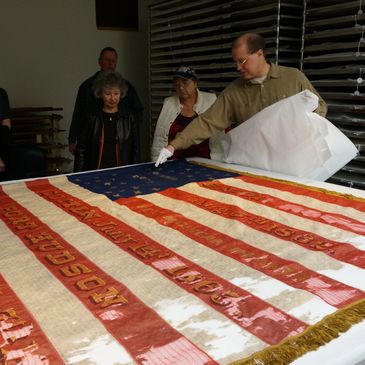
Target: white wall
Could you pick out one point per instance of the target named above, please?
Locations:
(48, 47)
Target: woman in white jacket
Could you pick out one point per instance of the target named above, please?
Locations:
(178, 111)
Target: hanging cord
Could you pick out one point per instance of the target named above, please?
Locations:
(359, 44)
(172, 50)
(359, 79)
(171, 40)
(360, 7)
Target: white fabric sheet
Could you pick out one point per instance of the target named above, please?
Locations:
(289, 138)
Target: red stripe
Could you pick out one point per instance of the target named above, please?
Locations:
(138, 328)
(289, 272)
(237, 304)
(344, 200)
(331, 219)
(339, 250)
(15, 317)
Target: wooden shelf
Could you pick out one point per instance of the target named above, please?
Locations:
(40, 127)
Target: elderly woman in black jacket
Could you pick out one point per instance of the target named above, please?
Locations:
(109, 136)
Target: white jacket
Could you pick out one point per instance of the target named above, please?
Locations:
(170, 110)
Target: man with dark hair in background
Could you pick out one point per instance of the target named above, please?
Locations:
(86, 102)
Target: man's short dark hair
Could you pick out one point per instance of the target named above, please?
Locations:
(254, 42)
(107, 49)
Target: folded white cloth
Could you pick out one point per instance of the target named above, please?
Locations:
(341, 148)
(288, 137)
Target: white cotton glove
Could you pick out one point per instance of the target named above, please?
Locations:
(163, 156)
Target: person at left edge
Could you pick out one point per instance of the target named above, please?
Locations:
(109, 136)
(16, 162)
(5, 134)
(87, 103)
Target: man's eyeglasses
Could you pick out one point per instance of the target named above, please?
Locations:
(241, 61)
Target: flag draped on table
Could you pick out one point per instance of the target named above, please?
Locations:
(183, 264)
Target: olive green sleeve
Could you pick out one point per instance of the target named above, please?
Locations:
(206, 125)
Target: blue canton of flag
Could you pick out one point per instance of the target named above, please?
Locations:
(146, 178)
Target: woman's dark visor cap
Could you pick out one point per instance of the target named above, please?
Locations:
(186, 73)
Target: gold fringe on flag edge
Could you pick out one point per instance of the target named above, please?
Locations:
(329, 328)
(314, 188)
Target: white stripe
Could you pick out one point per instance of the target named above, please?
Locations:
(298, 199)
(179, 352)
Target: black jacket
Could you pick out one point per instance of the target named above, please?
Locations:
(87, 152)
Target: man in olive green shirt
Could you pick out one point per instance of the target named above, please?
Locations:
(260, 85)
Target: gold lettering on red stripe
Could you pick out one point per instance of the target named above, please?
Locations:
(60, 258)
(126, 239)
(39, 236)
(90, 283)
(189, 278)
(176, 269)
(207, 287)
(85, 214)
(75, 270)
(242, 253)
(146, 250)
(104, 225)
(304, 238)
(22, 339)
(18, 218)
(50, 246)
(224, 298)
(109, 297)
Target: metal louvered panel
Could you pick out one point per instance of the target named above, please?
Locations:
(334, 60)
(342, 21)
(199, 33)
(333, 10)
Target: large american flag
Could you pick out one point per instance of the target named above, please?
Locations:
(116, 267)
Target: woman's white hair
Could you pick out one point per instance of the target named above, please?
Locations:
(107, 79)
